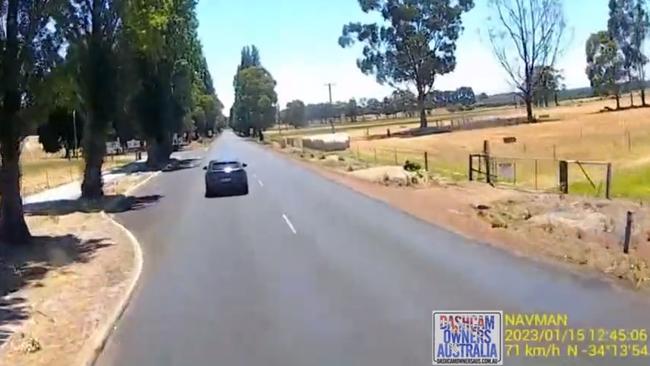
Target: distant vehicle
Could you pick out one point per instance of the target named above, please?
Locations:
(225, 178)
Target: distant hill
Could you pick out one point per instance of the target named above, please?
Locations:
(509, 98)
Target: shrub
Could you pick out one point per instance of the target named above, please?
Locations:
(412, 166)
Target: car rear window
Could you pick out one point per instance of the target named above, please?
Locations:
(223, 165)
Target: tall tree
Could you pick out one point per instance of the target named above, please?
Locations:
(532, 28)
(170, 69)
(93, 29)
(416, 43)
(60, 131)
(547, 83)
(640, 29)
(295, 115)
(29, 51)
(352, 110)
(621, 27)
(255, 97)
(604, 65)
(256, 101)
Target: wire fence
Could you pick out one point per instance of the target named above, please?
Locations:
(537, 174)
(49, 172)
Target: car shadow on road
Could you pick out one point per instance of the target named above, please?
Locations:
(109, 204)
(25, 265)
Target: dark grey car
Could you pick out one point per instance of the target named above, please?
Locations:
(225, 178)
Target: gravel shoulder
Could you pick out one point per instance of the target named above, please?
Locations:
(60, 292)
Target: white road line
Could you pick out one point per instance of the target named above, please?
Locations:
(260, 183)
(289, 224)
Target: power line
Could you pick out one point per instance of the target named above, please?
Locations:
(329, 88)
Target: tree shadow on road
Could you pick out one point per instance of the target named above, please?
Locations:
(25, 265)
(181, 164)
(109, 204)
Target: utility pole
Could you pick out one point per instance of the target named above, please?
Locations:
(329, 88)
(74, 128)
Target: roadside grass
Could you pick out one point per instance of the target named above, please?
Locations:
(630, 183)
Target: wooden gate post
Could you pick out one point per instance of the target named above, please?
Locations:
(608, 182)
(564, 176)
(486, 151)
(471, 168)
(426, 161)
(488, 173)
(628, 233)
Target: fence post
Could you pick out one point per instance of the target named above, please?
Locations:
(608, 181)
(629, 140)
(564, 177)
(535, 174)
(426, 161)
(628, 233)
(486, 151)
(486, 147)
(471, 168)
(488, 176)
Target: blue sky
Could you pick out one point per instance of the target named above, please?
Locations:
(298, 45)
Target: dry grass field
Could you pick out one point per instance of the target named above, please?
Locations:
(42, 171)
(576, 130)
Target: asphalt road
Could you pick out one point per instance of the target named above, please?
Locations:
(303, 271)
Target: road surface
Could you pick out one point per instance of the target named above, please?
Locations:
(303, 271)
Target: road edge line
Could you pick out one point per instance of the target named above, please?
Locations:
(101, 337)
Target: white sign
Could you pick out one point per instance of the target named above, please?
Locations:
(506, 171)
(113, 147)
(133, 144)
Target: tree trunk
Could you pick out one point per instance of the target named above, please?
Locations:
(94, 151)
(631, 99)
(152, 154)
(643, 95)
(13, 228)
(546, 101)
(92, 185)
(529, 110)
(618, 102)
(557, 103)
(423, 110)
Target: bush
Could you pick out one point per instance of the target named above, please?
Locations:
(412, 166)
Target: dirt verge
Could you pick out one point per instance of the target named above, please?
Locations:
(63, 292)
(577, 233)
